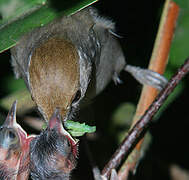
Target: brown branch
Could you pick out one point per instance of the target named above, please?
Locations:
(158, 63)
(159, 57)
(142, 125)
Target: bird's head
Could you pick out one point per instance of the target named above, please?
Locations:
(14, 148)
(53, 153)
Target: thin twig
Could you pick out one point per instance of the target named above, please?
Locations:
(139, 129)
(158, 63)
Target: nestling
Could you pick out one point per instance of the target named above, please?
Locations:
(73, 59)
(14, 149)
(53, 153)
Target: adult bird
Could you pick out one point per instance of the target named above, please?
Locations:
(72, 60)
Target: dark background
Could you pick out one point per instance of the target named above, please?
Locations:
(137, 22)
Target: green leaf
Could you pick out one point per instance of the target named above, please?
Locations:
(175, 94)
(34, 14)
(121, 120)
(10, 84)
(179, 47)
(178, 51)
(12, 9)
(25, 102)
(123, 114)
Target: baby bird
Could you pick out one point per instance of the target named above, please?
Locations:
(53, 153)
(14, 149)
(71, 60)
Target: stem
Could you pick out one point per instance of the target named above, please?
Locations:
(158, 63)
(142, 125)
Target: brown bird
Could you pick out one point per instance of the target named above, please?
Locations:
(14, 149)
(73, 59)
(53, 153)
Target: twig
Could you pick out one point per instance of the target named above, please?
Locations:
(142, 125)
(158, 63)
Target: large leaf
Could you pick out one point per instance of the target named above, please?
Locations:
(13, 9)
(32, 14)
(179, 47)
(178, 51)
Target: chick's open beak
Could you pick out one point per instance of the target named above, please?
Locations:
(10, 145)
(10, 123)
(14, 147)
(55, 122)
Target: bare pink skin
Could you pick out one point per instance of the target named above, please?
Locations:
(53, 153)
(14, 149)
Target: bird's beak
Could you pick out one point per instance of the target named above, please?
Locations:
(55, 122)
(10, 122)
(11, 117)
(10, 145)
(14, 146)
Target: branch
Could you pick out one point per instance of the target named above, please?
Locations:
(158, 64)
(141, 126)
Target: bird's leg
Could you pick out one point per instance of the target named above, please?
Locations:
(147, 77)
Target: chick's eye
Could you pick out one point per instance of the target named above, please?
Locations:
(11, 135)
(77, 97)
(10, 138)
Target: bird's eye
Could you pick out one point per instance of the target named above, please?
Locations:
(10, 138)
(77, 97)
(11, 135)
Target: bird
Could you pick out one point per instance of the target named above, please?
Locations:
(68, 62)
(53, 152)
(14, 149)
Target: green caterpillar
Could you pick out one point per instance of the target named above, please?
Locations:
(78, 129)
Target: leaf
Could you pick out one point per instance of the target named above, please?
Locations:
(10, 84)
(178, 90)
(121, 120)
(12, 29)
(178, 51)
(12, 9)
(179, 47)
(25, 102)
(123, 114)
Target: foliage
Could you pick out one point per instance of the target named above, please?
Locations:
(139, 32)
